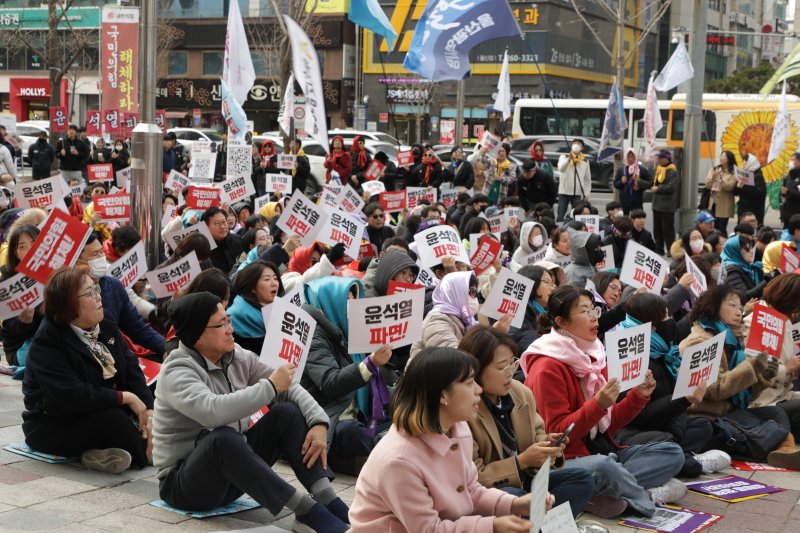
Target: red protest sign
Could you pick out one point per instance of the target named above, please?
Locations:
(374, 170)
(150, 369)
(202, 198)
(161, 119)
(112, 121)
(393, 200)
(93, 123)
(789, 259)
(59, 244)
(405, 157)
(113, 207)
(485, 254)
(104, 172)
(401, 286)
(58, 118)
(766, 331)
(367, 249)
(129, 121)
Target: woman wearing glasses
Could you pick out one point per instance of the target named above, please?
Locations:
(543, 286)
(85, 394)
(566, 370)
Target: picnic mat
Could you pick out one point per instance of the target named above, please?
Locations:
(732, 489)
(20, 448)
(671, 519)
(241, 504)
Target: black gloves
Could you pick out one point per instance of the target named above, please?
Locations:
(336, 252)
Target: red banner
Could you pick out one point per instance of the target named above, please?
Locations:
(401, 286)
(59, 244)
(393, 200)
(766, 331)
(113, 207)
(202, 198)
(112, 121)
(161, 119)
(374, 170)
(129, 121)
(485, 255)
(104, 172)
(58, 118)
(93, 123)
(119, 58)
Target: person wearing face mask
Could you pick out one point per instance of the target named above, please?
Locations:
(691, 242)
(532, 245)
(117, 306)
(631, 181)
(575, 183)
(120, 157)
(585, 252)
(741, 272)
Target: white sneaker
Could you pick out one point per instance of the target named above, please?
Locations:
(673, 491)
(110, 460)
(713, 461)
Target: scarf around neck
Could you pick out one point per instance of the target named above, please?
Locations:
(659, 349)
(661, 172)
(741, 399)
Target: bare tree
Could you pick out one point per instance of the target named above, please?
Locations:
(167, 36)
(418, 95)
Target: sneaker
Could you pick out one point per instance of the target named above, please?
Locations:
(339, 509)
(673, 491)
(605, 506)
(318, 520)
(713, 461)
(110, 460)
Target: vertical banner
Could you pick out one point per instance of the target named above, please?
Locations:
(129, 121)
(58, 118)
(93, 123)
(119, 58)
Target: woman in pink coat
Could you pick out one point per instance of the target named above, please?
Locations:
(420, 477)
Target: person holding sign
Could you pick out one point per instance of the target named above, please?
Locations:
(229, 246)
(94, 219)
(532, 245)
(719, 310)
(205, 452)
(567, 372)
(85, 394)
(721, 183)
(741, 272)
(752, 194)
(428, 173)
(420, 476)
(543, 286)
(256, 286)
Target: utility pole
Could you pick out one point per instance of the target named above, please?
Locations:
(694, 116)
(620, 60)
(459, 134)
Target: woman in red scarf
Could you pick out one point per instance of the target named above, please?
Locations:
(429, 172)
(359, 160)
(338, 160)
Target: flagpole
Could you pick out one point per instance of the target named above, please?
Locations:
(357, 89)
(459, 138)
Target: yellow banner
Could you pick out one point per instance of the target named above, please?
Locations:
(327, 7)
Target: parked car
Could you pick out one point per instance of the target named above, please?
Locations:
(379, 136)
(188, 136)
(556, 145)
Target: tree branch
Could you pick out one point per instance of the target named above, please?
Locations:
(591, 29)
(650, 25)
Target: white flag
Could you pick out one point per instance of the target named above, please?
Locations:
(237, 70)
(503, 101)
(305, 64)
(652, 118)
(780, 131)
(677, 70)
(287, 107)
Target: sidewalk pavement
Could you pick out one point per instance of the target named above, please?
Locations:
(37, 496)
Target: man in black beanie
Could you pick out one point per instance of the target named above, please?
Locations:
(207, 449)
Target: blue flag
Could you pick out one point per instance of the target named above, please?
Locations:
(448, 30)
(613, 127)
(233, 114)
(368, 14)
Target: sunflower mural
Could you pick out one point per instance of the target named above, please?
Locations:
(752, 130)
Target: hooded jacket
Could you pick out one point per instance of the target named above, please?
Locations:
(631, 192)
(300, 269)
(392, 262)
(525, 254)
(583, 250)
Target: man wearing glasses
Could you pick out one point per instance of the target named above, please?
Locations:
(377, 230)
(229, 245)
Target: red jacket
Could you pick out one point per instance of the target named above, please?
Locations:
(559, 400)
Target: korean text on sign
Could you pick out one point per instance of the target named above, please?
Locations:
(509, 295)
(281, 183)
(17, 293)
(438, 242)
(303, 218)
(174, 237)
(628, 355)
(767, 329)
(592, 222)
(643, 268)
(486, 253)
(448, 196)
(131, 267)
(290, 330)
(43, 194)
(374, 170)
(344, 228)
(789, 259)
(373, 187)
(236, 189)
(415, 194)
(349, 200)
(176, 181)
(202, 198)
(699, 363)
(103, 172)
(329, 197)
(699, 286)
(166, 280)
(395, 320)
(59, 244)
(113, 207)
(393, 201)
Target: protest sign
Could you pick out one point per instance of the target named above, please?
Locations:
(373, 187)
(491, 141)
(628, 354)
(766, 331)
(176, 181)
(513, 215)
(150, 369)
(281, 183)
(438, 242)
(497, 223)
(699, 363)
(239, 161)
(59, 244)
(103, 172)
(169, 211)
(672, 520)
(348, 200)
(426, 277)
(405, 158)
(303, 218)
(745, 176)
(607, 263)
(560, 520)
(289, 330)
(17, 293)
(732, 489)
(202, 166)
(396, 287)
(394, 320)
(202, 198)
(200, 147)
(796, 337)
(261, 201)
(789, 259)
(166, 280)
(344, 228)
(415, 194)
(509, 295)
(113, 207)
(448, 197)
(539, 494)
(592, 222)
(643, 268)
(174, 237)
(124, 177)
(131, 267)
(752, 466)
(295, 296)
(236, 189)
(699, 286)
(112, 121)
(43, 194)
(330, 193)
(374, 170)
(286, 161)
(393, 201)
(485, 254)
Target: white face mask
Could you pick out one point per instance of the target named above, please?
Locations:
(98, 267)
(577, 148)
(616, 214)
(118, 148)
(696, 245)
(474, 305)
(537, 241)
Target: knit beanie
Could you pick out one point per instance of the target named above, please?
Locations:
(190, 314)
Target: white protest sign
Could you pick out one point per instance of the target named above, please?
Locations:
(295, 296)
(286, 161)
(176, 181)
(169, 211)
(9, 120)
(643, 268)
(539, 497)
(395, 320)
(796, 337)
(438, 242)
(203, 166)
(174, 237)
(560, 520)
(349, 200)
(131, 267)
(281, 183)
(699, 363)
(509, 295)
(628, 354)
(236, 189)
(608, 262)
(426, 277)
(699, 286)
(17, 293)
(513, 214)
(166, 280)
(491, 141)
(415, 194)
(749, 178)
(200, 147)
(448, 197)
(592, 222)
(239, 162)
(498, 223)
(43, 194)
(302, 217)
(289, 330)
(329, 196)
(373, 187)
(124, 177)
(261, 201)
(344, 228)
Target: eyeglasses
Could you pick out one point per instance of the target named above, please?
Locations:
(590, 313)
(473, 292)
(225, 323)
(93, 293)
(407, 274)
(549, 282)
(511, 369)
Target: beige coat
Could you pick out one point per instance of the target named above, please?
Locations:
(438, 331)
(724, 197)
(778, 389)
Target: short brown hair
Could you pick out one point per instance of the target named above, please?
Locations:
(783, 293)
(61, 295)
(482, 341)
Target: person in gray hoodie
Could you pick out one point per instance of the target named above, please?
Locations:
(585, 252)
(205, 449)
